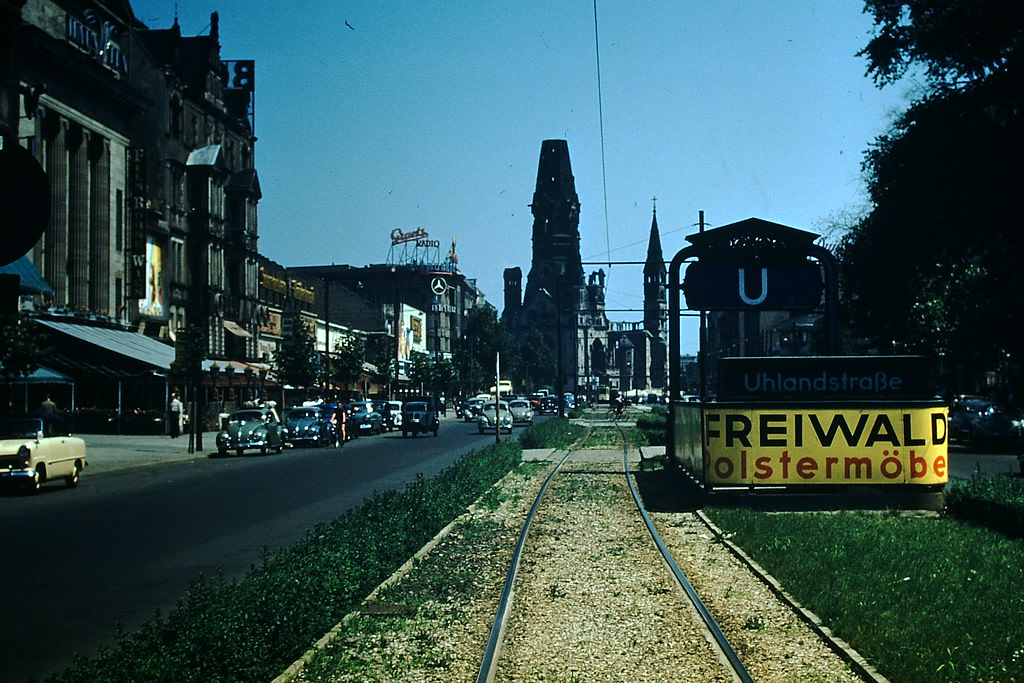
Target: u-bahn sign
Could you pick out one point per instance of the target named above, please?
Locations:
(785, 379)
(719, 287)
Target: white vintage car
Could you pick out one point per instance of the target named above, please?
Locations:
(38, 449)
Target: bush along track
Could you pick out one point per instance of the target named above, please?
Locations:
(252, 628)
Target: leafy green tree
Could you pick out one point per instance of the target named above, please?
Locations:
(483, 337)
(436, 376)
(22, 348)
(347, 361)
(934, 265)
(534, 363)
(297, 361)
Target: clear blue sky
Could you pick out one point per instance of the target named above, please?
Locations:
(430, 114)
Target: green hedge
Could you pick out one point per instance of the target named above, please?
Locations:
(653, 426)
(997, 503)
(557, 432)
(252, 628)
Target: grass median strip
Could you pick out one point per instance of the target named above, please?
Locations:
(922, 598)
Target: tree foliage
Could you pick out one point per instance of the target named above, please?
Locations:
(954, 42)
(483, 337)
(933, 267)
(22, 348)
(534, 363)
(297, 361)
(347, 359)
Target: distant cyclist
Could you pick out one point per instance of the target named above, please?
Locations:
(618, 405)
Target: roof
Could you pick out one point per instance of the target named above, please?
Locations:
(131, 344)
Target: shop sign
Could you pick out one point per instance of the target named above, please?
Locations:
(97, 37)
(811, 445)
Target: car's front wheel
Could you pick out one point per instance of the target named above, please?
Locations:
(71, 481)
(37, 481)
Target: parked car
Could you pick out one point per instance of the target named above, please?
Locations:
(308, 426)
(419, 417)
(522, 411)
(363, 418)
(964, 415)
(38, 449)
(252, 428)
(495, 416)
(391, 412)
(997, 431)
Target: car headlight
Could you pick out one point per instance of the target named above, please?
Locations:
(24, 456)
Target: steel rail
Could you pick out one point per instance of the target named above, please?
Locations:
(709, 621)
(489, 666)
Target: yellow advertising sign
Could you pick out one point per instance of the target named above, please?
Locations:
(775, 446)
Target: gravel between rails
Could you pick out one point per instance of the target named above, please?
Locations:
(593, 600)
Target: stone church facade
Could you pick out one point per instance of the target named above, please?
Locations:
(597, 357)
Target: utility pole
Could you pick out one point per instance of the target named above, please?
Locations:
(497, 397)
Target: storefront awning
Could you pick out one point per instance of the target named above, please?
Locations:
(236, 329)
(42, 375)
(133, 345)
(31, 280)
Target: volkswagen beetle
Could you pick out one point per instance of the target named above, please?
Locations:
(252, 428)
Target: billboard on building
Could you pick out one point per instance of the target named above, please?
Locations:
(412, 332)
(153, 303)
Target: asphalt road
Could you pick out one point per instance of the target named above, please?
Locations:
(964, 461)
(132, 537)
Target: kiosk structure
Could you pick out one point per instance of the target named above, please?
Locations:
(794, 421)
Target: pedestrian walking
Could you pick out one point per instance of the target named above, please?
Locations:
(175, 415)
(48, 406)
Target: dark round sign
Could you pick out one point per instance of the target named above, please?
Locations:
(24, 202)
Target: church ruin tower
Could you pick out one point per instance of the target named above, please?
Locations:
(556, 229)
(554, 291)
(655, 277)
(656, 307)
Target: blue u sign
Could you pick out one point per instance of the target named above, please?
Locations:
(717, 287)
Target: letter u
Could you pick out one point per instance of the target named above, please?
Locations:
(743, 288)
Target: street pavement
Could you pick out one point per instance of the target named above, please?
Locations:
(108, 452)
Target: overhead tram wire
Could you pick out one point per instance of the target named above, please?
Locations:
(600, 121)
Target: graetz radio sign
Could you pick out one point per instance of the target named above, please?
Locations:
(720, 287)
(764, 446)
(419, 236)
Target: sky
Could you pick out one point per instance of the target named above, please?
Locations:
(372, 116)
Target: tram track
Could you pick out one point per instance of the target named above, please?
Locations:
(631, 561)
(591, 599)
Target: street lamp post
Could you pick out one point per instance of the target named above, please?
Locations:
(214, 374)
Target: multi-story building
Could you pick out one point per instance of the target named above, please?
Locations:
(195, 192)
(423, 304)
(146, 139)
